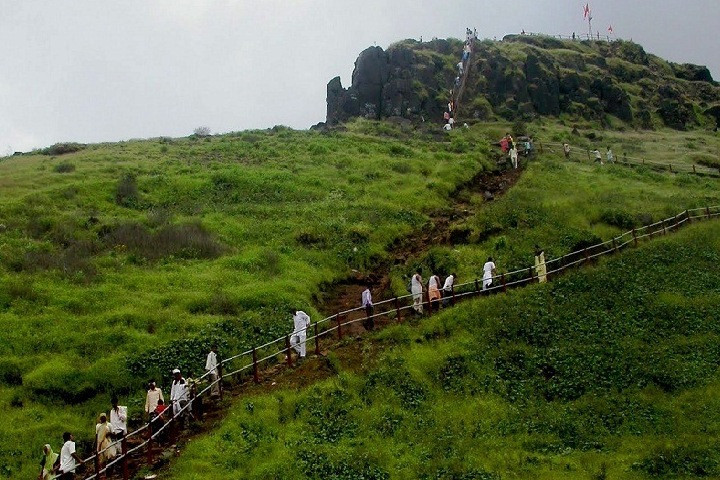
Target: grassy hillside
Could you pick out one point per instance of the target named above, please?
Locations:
(121, 261)
(610, 372)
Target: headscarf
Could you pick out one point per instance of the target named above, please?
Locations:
(50, 458)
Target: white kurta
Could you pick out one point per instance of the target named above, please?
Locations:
(416, 289)
(487, 274)
(301, 322)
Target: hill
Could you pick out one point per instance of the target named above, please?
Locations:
(119, 262)
(606, 373)
(526, 76)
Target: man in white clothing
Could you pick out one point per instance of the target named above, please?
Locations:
(179, 394)
(369, 322)
(118, 419)
(301, 322)
(448, 289)
(211, 366)
(488, 272)
(69, 460)
(151, 400)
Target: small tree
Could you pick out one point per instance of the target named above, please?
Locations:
(202, 132)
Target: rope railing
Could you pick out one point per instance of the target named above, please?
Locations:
(392, 307)
(625, 159)
(578, 37)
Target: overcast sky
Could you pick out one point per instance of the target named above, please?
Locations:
(101, 70)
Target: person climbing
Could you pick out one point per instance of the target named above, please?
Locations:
(514, 156)
(369, 322)
(540, 267)
(179, 395)
(301, 321)
(504, 145)
(118, 419)
(212, 367)
(154, 394)
(448, 287)
(609, 155)
(566, 151)
(598, 156)
(69, 459)
(434, 291)
(417, 290)
(461, 68)
(488, 273)
(47, 462)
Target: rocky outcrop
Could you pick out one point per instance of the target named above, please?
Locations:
(392, 83)
(526, 76)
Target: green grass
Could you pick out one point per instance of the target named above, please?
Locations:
(139, 256)
(121, 261)
(609, 372)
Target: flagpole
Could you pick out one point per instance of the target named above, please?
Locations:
(590, 25)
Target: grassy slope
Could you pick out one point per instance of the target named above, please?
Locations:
(84, 314)
(291, 209)
(609, 372)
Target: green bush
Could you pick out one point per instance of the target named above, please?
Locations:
(64, 167)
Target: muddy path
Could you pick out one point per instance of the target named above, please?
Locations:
(345, 295)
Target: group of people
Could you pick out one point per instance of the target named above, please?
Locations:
(111, 429)
(511, 148)
(449, 114)
(608, 155)
(597, 156)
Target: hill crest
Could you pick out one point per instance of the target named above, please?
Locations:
(526, 76)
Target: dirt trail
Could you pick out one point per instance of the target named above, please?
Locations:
(354, 351)
(346, 295)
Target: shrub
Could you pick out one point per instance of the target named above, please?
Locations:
(618, 218)
(682, 461)
(182, 241)
(59, 380)
(126, 192)
(64, 167)
(63, 148)
(10, 372)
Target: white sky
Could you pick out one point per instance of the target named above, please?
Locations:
(102, 70)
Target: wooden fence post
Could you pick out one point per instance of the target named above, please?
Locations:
(670, 165)
(429, 309)
(97, 466)
(452, 291)
(532, 275)
(477, 286)
(317, 340)
(123, 448)
(634, 237)
(150, 444)
(585, 254)
(687, 215)
(256, 378)
(694, 168)
(288, 349)
(707, 212)
(339, 325)
(397, 310)
(504, 285)
(663, 227)
(615, 248)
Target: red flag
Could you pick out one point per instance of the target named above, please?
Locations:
(610, 29)
(586, 10)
